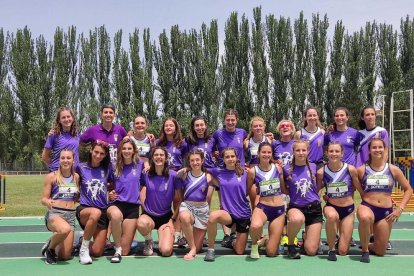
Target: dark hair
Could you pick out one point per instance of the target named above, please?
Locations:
(107, 105)
(177, 139)
(239, 170)
(141, 116)
(369, 146)
(195, 152)
(192, 135)
(57, 126)
(231, 111)
(120, 160)
(305, 123)
(166, 169)
(341, 108)
(105, 163)
(361, 122)
(264, 144)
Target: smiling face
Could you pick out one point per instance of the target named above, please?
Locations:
(377, 149)
(369, 117)
(169, 128)
(66, 120)
(229, 158)
(341, 118)
(127, 151)
(98, 153)
(335, 152)
(311, 117)
(159, 158)
(200, 127)
(265, 154)
(66, 160)
(196, 161)
(140, 124)
(257, 127)
(285, 129)
(300, 151)
(230, 122)
(107, 115)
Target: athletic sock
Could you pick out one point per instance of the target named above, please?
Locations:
(85, 244)
(118, 250)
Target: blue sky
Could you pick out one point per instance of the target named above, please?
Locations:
(42, 17)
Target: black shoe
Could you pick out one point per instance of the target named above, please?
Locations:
(116, 258)
(292, 252)
(45, 247)
(352, 242)
(225, 240)
(389, 246)
(365, 257)
(332, 255)
(229, 243)
(50, 257)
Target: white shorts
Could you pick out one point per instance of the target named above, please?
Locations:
(200, 213)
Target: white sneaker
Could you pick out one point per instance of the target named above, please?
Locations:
(84, 257)
(254, 253)
(148, 248)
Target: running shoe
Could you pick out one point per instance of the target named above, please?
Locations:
(365, 257)
(45, 247)
(148, 248)
(296, 241)
(254, 252)
(225, 240)
(229, 243)
(332, 255)
(51, 257)
(284, 240)
(210, 255)
(108, 245)
(389, 246)
(352, 243)
(84, 257)
(293, 252)
(182, 242)
(116, 258)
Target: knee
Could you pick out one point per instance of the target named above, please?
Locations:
(166, 252)
(270, 254)
(342, 252)
(64, 256)
(255, 226)
(311, 250)
(95, 214)
(142, 224)
(238, 251)
(296, 220)
(64, 229)
(365, 218)
(185, 218)
(332, 217)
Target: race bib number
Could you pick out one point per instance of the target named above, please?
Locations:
(269, 187)
(337, 189)
(377, 182)
(143, 148)
(253, 151)
(68, 190)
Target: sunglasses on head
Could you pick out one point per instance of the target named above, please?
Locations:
(284, 125)
(102, 143)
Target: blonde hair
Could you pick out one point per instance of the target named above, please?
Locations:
(292, 126)
(119, 160)
(254, 119)
(59, 176)
(292, 164)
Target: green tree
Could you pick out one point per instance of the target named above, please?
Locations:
(407, 52)
(148, 88)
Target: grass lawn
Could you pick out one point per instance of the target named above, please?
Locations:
(24, 193)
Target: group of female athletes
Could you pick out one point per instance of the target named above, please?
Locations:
(172, 179)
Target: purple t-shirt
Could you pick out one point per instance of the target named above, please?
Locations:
(195, 188)
(160, 192)
(302, 188)
(315, 140)
(206, 147)
(175, 154)
(338, 184)
(348, 139)
(57, 143)
(378, 181)
(127, 184)
(93, 185)
(283, 151)
(113, 137)
(233, 192)
(223, 139)
(143, 146)
(267, 182)
(365, 137)
(252, 150)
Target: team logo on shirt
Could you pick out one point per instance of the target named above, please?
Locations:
(349, 139)
(166, 186)
(238, 140)
(102, 173)
(204, 152)
(171, 159)
(285, 157)
(134, 172)
(95, 187)
(116, 137)
(319, 142)
(239, 178)
(303, 186)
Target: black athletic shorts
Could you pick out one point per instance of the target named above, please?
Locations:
(128, 210)
(103, 221)
(312, 212)
(242, 224)
(160, 220)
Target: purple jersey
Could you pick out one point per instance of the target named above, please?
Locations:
(113, 137)
(195, 188)
(283, 151)
(302, 187)
(127, 184)
(252, 150)
(175, 154)
(160, 192)
(365, 137)
(93, 185)
(267, 182)
(233, 192)
(378, 181)
(143, 146)
(338, 184)
(206, 147)
(57, 143)
(315, 140)
(223, 139)
(348, 139)
(68, 191)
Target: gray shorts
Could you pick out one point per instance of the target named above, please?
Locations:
(67, 214)
(200, 213)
